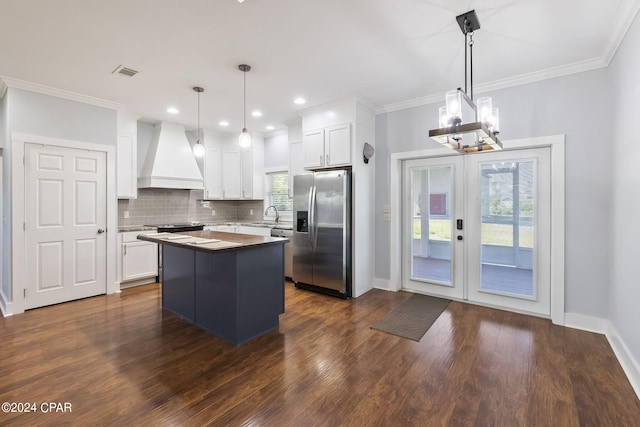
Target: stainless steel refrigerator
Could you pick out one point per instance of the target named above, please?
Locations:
(322, 232)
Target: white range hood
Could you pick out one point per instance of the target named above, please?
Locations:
(170, 162)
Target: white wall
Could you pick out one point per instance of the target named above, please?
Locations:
(578, 106)
(624, 282)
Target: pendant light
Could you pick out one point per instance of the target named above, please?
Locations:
(198, 149)
(245, 137)
(481, 133)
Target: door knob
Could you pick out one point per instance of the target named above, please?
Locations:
(459, 237)
(100, 230)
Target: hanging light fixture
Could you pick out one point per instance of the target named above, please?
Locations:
(198, 149)
(245, 137)
(481, 133)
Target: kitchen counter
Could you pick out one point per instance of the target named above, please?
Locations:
(231, 285)
(211, 241)
(128, 228)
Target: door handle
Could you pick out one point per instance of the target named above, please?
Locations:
(100, 230)
(459, 237)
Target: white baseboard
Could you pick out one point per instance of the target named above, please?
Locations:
(5, 306)
(585, 323)
(629, 363)
(381, 284)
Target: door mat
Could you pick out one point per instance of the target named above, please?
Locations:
(412, 318)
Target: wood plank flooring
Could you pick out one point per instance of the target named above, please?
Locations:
(120, 360)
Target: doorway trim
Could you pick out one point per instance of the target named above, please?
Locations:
(18, 275)
(556, 143)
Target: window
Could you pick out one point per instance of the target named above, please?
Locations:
(277, 194)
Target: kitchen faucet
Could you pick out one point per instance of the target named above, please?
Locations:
(266, 212)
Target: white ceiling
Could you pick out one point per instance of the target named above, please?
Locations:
(390, 53)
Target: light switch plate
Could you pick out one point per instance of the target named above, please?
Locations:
(213, 212)
(386, 217)
(126, 214)
(386, 208)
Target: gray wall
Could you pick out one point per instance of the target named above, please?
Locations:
(276, 152)
(577, 106)
(624, 227)
(44, 115)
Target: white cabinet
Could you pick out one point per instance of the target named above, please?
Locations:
(313, 148)
(296, 162)
(213, 173)
(127, 156)
(252, 170)
(225, 228)
(255, 231)
(327, 148)
(138, 259)
(231, 188)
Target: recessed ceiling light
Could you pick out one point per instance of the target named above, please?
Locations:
(224, 123)
(240, 1)
(256, 113)
(299, 100)
(172, 110)
(269, 127)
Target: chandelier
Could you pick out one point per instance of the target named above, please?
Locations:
(480, 134)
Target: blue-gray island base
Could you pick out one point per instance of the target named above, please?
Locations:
(235, 293)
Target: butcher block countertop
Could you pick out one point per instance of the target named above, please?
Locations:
(211, 241)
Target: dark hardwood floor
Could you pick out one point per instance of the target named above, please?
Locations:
(120, 360)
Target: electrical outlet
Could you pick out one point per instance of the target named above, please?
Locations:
(250, 211)
(126, 214)
(386, 217)
(213, 212)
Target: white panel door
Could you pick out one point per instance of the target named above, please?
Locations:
(65, 224)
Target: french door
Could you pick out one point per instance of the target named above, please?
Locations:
(477, 228)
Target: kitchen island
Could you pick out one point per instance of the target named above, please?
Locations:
(231, 285)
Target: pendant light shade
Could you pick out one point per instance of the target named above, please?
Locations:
(198, 149)
(244, 140)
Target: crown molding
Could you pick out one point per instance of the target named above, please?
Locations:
(626, 14)
(58, 93)
(536, 76)
(624, 18)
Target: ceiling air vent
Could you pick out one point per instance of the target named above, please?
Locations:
(124, 71)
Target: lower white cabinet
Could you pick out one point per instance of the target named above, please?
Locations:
(138, 259)
(256, 231)
(225, 228)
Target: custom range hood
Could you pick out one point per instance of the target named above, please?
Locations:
(170, 162)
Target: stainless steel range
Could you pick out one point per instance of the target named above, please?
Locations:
(173, 228)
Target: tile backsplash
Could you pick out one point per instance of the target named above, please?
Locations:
(167, 206)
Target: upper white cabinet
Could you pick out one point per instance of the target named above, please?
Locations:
(232, 173)
(231, 188)
(212, 173)
(252, 170)
(127, 156)
(328, 147)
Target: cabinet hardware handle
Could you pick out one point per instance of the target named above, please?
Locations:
(321, 160)
(125, 249)
(327, 160)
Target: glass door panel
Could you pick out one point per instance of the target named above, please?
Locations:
(507, 230)
(432, 198)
